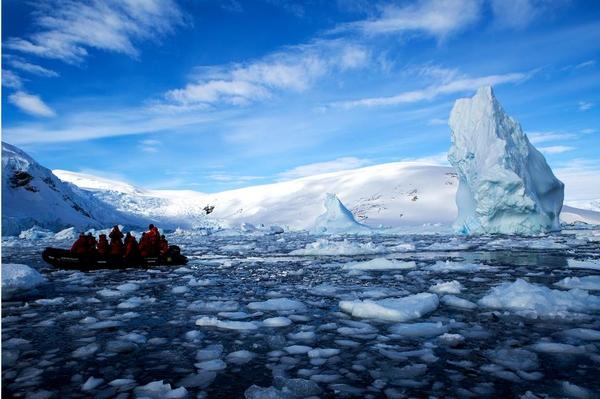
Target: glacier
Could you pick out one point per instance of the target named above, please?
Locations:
(505, 185)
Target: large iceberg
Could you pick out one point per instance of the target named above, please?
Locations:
(337, 218)
(505, 184)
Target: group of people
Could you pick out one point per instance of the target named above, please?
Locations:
(152, 243)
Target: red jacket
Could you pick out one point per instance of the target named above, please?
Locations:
(80, 246)
(131, 248)
(164, 247)
(116, 248)
(102, 246)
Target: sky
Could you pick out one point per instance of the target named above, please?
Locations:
(214, 95)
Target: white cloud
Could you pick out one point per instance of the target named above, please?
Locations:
(232, 178)
(556, 149)
(585, 64)
(11, 79)
(295, 68)
(518, 14)
(433, 91)
(31, 68)
(437, 122)
(66, 29)
(432, 17)
(149, 145)
(585, 105)
(543, 137)
(336, 165)
(30, 104)
(581, 177)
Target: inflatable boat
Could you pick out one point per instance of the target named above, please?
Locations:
(65, 259)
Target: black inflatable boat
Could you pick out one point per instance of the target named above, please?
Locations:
(65, 259)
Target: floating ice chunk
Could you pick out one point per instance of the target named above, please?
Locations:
(109, 293)
(575, 391)
(256, 392)
(456, 302)
(159, 390)
(337, 218)
(323, 247)
(181, 289)
(85, 351)
(120, 346)
(453, 244)
(135, 337)
(49, 302)
(121, 382)
(303, 336)
(194, 335)
(404, 247)
(324, 290)
(135, 301)
(277, 304)
(536, 300)
(35, 233)
(234, 315)
(556, 347)
(585, 334)
(393, 309)
(323, 352)
(297, 349)
(591, 283)
(301, 388)
(447, 287)
(592, 264)
(202, 379)
(213, 306)
(212, 365)
(240, 357)
(514, 359)
(91, 383)
(451, 339)
(16, 277)
(448, 267)
(419, 330)
(128, 287)
(210, 352)
(277, 322)
(104, 324)
(380, 264)
(226, 324)
(66, 234)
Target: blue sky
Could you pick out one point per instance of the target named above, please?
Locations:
(213, 95)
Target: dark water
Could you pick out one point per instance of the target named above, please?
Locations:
(145, 331)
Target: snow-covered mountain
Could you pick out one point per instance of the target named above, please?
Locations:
(397, 194)
(33, 195)
(394, 194)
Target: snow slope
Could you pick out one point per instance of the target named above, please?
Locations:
(399, 194)
(505, 184)
(394, 194)
(33, 195)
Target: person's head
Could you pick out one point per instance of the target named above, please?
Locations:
(151, 226)
(162, 236)
(81, 235)
(143, 234)
(89, 234)
(128, 234)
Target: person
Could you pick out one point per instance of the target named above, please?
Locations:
(116, 244)
(80, 246)
(91, 244)
(164, 246)
(102, 246)
(131, 247)
(154, 240)
(144, 246)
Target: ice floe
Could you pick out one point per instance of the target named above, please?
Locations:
(393, 309)
(536, 300)
(324, 247)
(379, 264)
(17, 277)
(591, 283)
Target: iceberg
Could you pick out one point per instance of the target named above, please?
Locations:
(337, 218)
(505, 184)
